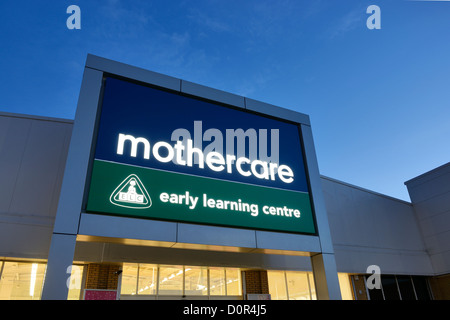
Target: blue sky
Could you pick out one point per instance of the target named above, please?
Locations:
(379, 100)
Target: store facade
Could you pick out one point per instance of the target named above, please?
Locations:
(165, 189)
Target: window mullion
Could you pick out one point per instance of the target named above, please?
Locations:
(137, 279)
(286, 284)
(183, 289)
(226, 284)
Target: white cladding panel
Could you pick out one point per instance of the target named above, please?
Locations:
(33, 153)
(368, 228)
(430, 195)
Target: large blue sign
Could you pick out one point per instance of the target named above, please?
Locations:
(165, 155)
(134, 118)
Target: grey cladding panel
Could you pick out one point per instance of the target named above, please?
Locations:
(212, 94)
(127, 228)
(132, 72)
(275, 111)
(39, 179)
(210, 235)
(287, 241)
(13, 138)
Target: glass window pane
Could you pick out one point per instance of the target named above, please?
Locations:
(234, 287)
(375, 294)
(312, 286)
(406, 288)
(129, 278)
(76, 277)
(196, 281)
(421, 287)
(346, 288)
(297, 285)
(171, 280)
(217, 281)
(277, 285)
(147, 279)
(22, 281)
(390, 288)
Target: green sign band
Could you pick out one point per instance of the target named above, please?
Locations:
(147, 193)
(154, 194)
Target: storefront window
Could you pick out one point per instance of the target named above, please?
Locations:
(312, 286)
(25, 280)
(401, 288)
(217, 281)
(76, 277)
(298, 286)
(406, 287)
(147, 279)
(291, 285)
(21, 280)
(196, 281)
(277, 285)
(344, 284)
(129, 278)
(421, 287)
(171, 280)
(390, 288)
(233, 278)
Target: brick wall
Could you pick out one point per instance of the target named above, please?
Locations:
(256, 282)
(102, 276)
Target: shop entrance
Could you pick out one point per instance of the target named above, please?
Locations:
(144, 281)
(177, 282)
